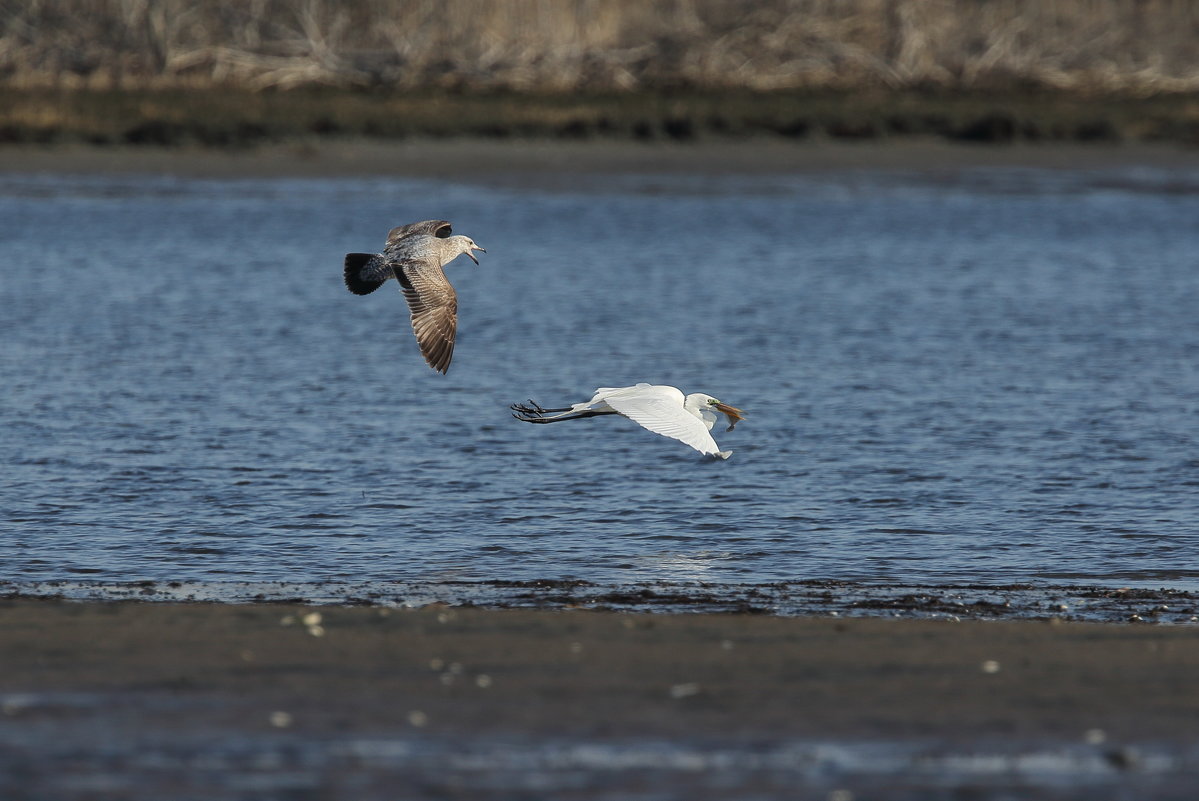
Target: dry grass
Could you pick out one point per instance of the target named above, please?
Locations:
(1137, 47)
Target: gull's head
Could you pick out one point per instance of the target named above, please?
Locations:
(734, 414)
(467, 245)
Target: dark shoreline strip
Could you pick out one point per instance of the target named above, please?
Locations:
(1055, 603)
(235, 118)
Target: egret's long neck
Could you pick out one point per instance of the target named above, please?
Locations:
(697, 405)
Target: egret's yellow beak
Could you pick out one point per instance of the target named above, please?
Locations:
(734, 414)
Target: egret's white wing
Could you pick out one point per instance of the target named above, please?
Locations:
(657, 409)
(605, 391)
(601, 395)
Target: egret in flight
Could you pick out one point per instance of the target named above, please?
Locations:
(415, 255)
(661, 409)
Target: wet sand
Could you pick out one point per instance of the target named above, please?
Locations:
(182, 699)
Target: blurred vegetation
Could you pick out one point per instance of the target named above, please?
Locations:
(225, 73)
(603, 45)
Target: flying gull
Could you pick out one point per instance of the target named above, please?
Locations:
(415, 255)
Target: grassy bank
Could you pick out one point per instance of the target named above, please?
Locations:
(239, 117)
(220, 74)
(538, 46)
(215, 73)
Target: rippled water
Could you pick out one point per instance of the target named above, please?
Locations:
(986, 376)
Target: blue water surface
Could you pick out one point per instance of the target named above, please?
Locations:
(985, 376)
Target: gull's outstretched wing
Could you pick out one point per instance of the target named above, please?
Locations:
(434, 307)
(438, 228)
(660, 409)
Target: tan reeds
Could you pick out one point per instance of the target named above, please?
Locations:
(1128, 46)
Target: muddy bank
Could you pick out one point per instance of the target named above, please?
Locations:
(574, 165)
(233, 118)
(180, 700)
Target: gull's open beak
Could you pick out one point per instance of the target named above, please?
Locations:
(734, 414)
(472, 255)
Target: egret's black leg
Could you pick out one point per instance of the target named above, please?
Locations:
(522, 413)
(532, 419)
(537, 408)
(534, 408)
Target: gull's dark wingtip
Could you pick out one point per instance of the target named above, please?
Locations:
(441, 367)
(439, 357)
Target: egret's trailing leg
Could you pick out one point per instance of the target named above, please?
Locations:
(533, 407)
(535, 414)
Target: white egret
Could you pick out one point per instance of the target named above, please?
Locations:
(415, 255)
(662, 409)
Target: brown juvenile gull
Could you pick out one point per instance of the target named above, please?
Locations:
(415, 255)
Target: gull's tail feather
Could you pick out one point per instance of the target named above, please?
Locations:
(355, 267)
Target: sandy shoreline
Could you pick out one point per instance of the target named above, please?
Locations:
(1053, 680)
(532, 162)
(107, 683)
